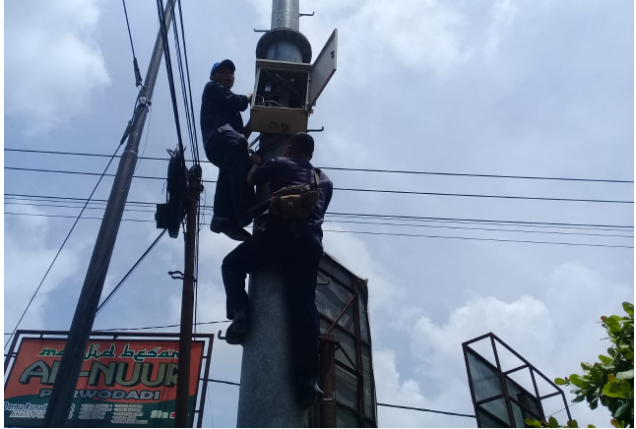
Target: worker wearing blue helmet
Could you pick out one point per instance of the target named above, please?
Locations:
(225, 144)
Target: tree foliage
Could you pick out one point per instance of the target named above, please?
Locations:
(609, 382)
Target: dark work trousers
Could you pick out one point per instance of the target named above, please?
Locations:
(227, 149)
(298, 256)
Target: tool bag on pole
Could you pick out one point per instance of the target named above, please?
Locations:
(295, 202)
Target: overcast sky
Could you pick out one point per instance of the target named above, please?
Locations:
(525, 87)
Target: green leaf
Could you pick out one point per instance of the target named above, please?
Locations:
(615, 423)
(611, 378)
(626, 388)
(553, 423)
(612, 352)
(605, 359)
(586, 366)
(629, 308)
(533, 423)
(623, 409)
(625, 375)
(613, 390)
(560, 381)
(594, 404)
(573, 424)
(579, 398)
(591, 426)
(576, 380)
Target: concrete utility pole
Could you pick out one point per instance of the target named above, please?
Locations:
(268, 393)
(187, 301)
(59, 406)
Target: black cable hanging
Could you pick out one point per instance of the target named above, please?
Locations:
(138, 79)
(77, 218)
(129, 273)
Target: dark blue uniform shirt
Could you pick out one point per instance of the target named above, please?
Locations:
(281, 172)
(219, 107)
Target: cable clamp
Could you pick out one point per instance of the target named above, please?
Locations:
(145, 100)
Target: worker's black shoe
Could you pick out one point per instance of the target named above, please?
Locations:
(239, 327)
(309, 391)
(228, 227)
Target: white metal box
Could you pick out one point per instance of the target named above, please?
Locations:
(285, 92)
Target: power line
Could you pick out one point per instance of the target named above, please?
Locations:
(77, 218)
(486, 221)
(571, 405)
(231, 383)
(380, 404)
(537, 224)
(426, 410)
(129, 273)
(328, 220)
(145, 328)
(362, 170)
(138, 78)
(524, 231)
(375, 233)
(383, 191)
(395, 234)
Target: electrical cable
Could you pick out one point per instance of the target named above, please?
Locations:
(413, 225)
(570, 405)
(145, 328)
(362, 170)
(380, 404)
(77, 218)
(537, 224)
(383, 191)
(129, 273)
(477, 239)
(375, 233)
(138, 79)
(166, 52)
(426, 410)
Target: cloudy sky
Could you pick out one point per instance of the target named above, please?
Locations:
(510, 87)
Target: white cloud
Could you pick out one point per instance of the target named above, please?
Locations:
(26, 260)
(52, 61)
(502, 13)
(377, 38)
(554, 333)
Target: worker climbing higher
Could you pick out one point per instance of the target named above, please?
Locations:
(225, 143)
(289, 233)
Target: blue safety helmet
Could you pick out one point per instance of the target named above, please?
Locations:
(225, 64)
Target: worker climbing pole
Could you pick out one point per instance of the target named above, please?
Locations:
(286, 89)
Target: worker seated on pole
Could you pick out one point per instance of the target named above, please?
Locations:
(225, 143)
(289, 234)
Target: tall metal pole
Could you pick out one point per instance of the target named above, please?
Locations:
(268, 393)
(59, 406)
(187, 300)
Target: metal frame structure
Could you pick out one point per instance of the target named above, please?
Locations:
(504, 383)
(347, 330)
(9, 358)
